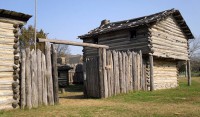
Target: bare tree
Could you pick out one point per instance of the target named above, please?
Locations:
(195, 54)
(194, 47)
(63, 50)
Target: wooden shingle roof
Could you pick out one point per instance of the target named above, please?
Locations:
(145, 20)
(14, 15)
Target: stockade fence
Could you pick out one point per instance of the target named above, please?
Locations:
(114, 72)
(39, 78)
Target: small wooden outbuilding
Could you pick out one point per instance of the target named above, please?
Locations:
(10, 24)
(162, 38)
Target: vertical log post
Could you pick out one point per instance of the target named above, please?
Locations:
(50, 96)
(105, 73)
(55, 73)
(84, 79)
(39, 76)
(28, 80)
(151, 72)
(23, 89)
(44, 81)
(188, 73)
(101, 74)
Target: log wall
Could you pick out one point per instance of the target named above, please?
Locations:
(168, 40)
(115, 72)
(9, 64)
(165, 74)
(120, 40)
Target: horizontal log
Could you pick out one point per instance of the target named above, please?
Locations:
(7, 69)
(15, 77)
(174, 56)
(169, 51)
(16, 57)
(6, 92)
(16, 91)
(159, 28)
(164, 35)
(15, 104)
(73, 43)
(16, 96)
(16, 40)
(165, 42)
(5, 24)
(170, 28)
(11, 21)
(7, 100)
(6, 107)
(5, 30)
(16, 45)
(9, 80)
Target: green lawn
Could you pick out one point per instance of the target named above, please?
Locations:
(182, 101)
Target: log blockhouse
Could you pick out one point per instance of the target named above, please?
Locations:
(162, 36)
(10, 24)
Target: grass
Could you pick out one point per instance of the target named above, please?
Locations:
(183, 101)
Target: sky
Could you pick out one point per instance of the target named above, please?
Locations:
(67, 19)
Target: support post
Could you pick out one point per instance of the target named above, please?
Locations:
(188, 73)
(84, 79)
(151, 72)
(55, 73)
(101, 74)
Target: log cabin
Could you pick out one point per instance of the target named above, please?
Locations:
(10, 24)
(162, 37)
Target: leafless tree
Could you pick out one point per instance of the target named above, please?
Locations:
(195, 54)
(194, 47)
(63, 50)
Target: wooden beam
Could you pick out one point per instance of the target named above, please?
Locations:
(188, 72)
(151, 72)
(72, 43)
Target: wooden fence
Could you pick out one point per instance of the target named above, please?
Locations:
(38, 84)
(115, 72)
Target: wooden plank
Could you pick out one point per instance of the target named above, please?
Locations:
(39, 76)
(28, 80)
(44, 80)
(151, 72)
(55, 74)
(73, 43)
(49, 75)
(23, 81)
